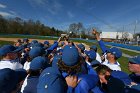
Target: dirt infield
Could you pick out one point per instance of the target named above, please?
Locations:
(15, 39)
(51, 41)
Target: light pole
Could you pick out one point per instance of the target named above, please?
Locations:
(135, 29)
(80, 34)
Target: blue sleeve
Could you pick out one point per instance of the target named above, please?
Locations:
(84, 69)
(91, 70)
(50, 49)
(82, 87)
(102, 46)
(87, 83)
(70, 90)
(122, 76)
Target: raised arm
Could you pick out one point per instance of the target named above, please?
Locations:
(101, 43)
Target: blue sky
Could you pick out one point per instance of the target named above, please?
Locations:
(108, 15)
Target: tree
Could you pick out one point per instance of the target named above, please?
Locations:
(73, 28)
(3, 24)
(53, 31)
(81, 29)
(83, 34)
(125, 36)
(18, 26)
(76, 28)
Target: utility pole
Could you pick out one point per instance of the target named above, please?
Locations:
(123, 31)
(80, 34)
(123, 34)
(135, 28)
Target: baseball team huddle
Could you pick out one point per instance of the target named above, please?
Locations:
(65, 67)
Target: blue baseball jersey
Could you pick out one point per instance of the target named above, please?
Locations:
(87, 83)
(30, 85)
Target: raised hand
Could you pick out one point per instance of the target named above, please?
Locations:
(94, 32)
(72, 81)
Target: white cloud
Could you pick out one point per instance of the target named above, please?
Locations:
(71, 15)
(63, 26)
(52, 6)
(7, 14)
(40, 2)
(13, 13)
(51, 11)
(35, 3)
(2, 6)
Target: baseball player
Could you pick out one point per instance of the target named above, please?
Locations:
(9, 53)
(98, 57)
(11, 80)
(110, 55)
(70, 65)
(37, 65)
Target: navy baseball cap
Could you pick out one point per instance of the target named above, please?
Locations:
(91, 54)
(20, 48)
(38, 63)
(38, 45)
(46, 42)
(25, 39)
(50, 81)
(135, 59)
(36, 51)
(93, 47)
(34, 41)
(70, 55)
(59, 50)
(115, 51)
(8, 49)
(81, 46)
(9, 79)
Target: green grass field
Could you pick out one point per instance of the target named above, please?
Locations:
(123, 60)
(130, 53)
(30, 37)
(5, 42)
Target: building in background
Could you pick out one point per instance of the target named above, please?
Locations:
(116, 35)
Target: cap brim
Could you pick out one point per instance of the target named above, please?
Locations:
(94, 48)
(18, 49)
(132, 60)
